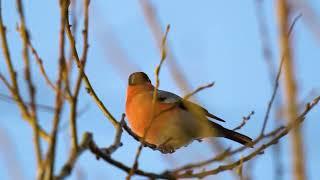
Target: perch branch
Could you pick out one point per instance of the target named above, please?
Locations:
(284, 132)
(69, 165)
(88, 85)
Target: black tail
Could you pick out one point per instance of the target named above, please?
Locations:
(232, 135)
(235, 136)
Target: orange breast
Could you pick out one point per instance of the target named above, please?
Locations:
(139, 114)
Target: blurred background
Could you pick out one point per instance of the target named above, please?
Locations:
(220, 41)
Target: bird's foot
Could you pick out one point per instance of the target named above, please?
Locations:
(165, 147)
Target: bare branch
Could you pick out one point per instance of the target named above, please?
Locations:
(31, 88)
(137, 138)
(117, 139)
(50, 157)
(154, 98)
(267, 52)
(200, 88)
(290, 90)
(85, 46)
(275, 134)
(9, 99)
(15, 93)
(74, 100)
(273, 96)
(5, 82)
(69, 165)
(245, 119)
(100, 154)
(88, 85)
(283, 132)
(6, 52)
(41, 67)
(276, 84)
(154, 24)
(84, 145)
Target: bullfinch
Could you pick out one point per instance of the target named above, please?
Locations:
(174, 122)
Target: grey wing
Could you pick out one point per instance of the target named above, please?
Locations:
(168, 97)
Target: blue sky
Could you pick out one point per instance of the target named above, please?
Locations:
(212, 41)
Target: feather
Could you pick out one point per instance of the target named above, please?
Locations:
(168, 97)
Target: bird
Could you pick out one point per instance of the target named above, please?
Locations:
(172, 121)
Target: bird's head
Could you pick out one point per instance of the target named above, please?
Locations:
(138, 78)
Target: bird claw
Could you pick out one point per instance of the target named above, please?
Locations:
(166, 147)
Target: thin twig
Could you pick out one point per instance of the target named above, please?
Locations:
(41, 67)
(276, 84)
(273, 96)
(31, 88)
(5, 82)
(15, 92)
(6, 52)
(154, 98)
(200, 88)
(43, 71)
(256, 152)
(9, 99)
(117, 139)
(74, 100)
(84, 145)
(74, 16)
(154, 24)
(88, 85)
(218, 157)
(227, 153)
(309, 106)
(69, 165)
(245, 119)
(50, 157)
(264, 35)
